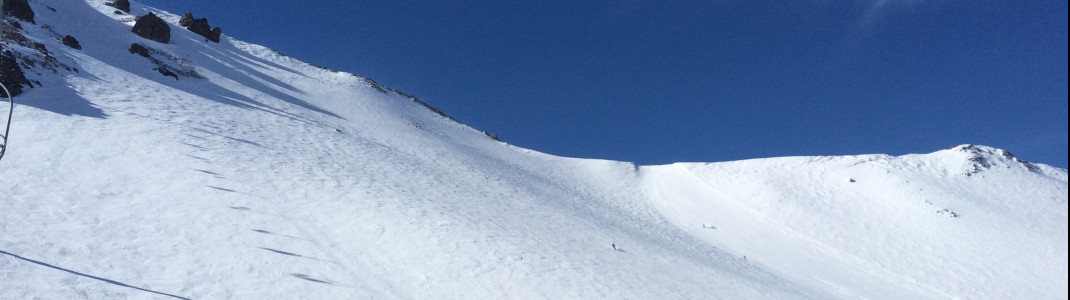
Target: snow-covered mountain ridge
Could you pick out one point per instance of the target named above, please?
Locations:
(265, 177)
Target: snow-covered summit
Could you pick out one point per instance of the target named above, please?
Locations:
(195, 169)
(979, 158)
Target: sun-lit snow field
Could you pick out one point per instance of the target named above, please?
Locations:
(271, 178)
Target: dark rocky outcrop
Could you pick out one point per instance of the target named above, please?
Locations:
(138, 49)
(11, 74)
(70, 41)
(152, 27)
(165, 71)
(123, 5)
(216, 34)
(200, 27)
(32, 57)
(185, 20)
(19, 9)
(167, 64)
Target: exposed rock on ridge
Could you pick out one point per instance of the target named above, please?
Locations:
(200, 26)
(123, 5)
(152, 27)
(19, 9)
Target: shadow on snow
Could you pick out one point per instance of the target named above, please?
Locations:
(90, 276)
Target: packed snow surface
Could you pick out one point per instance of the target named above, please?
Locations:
(252, 175)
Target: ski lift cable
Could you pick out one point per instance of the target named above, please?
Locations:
(10, 101)
(7, 129)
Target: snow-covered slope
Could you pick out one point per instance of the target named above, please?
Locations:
(970, 222)
(254, 175)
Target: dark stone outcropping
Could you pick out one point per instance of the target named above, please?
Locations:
(33, 57)
(185, 20)
(200, 27)
(216, 34)
(166, 72)
(19, 9)
(11, 74)
(152, 27)
(138, 49)
(168, 65)
(123, 5)
(70, 41)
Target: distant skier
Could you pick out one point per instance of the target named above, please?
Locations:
(614, 245)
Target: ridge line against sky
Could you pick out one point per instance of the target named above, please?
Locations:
(653, 83)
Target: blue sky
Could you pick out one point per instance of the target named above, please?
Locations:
(656, 82)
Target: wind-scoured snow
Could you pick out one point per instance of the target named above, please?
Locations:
(266, 177)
